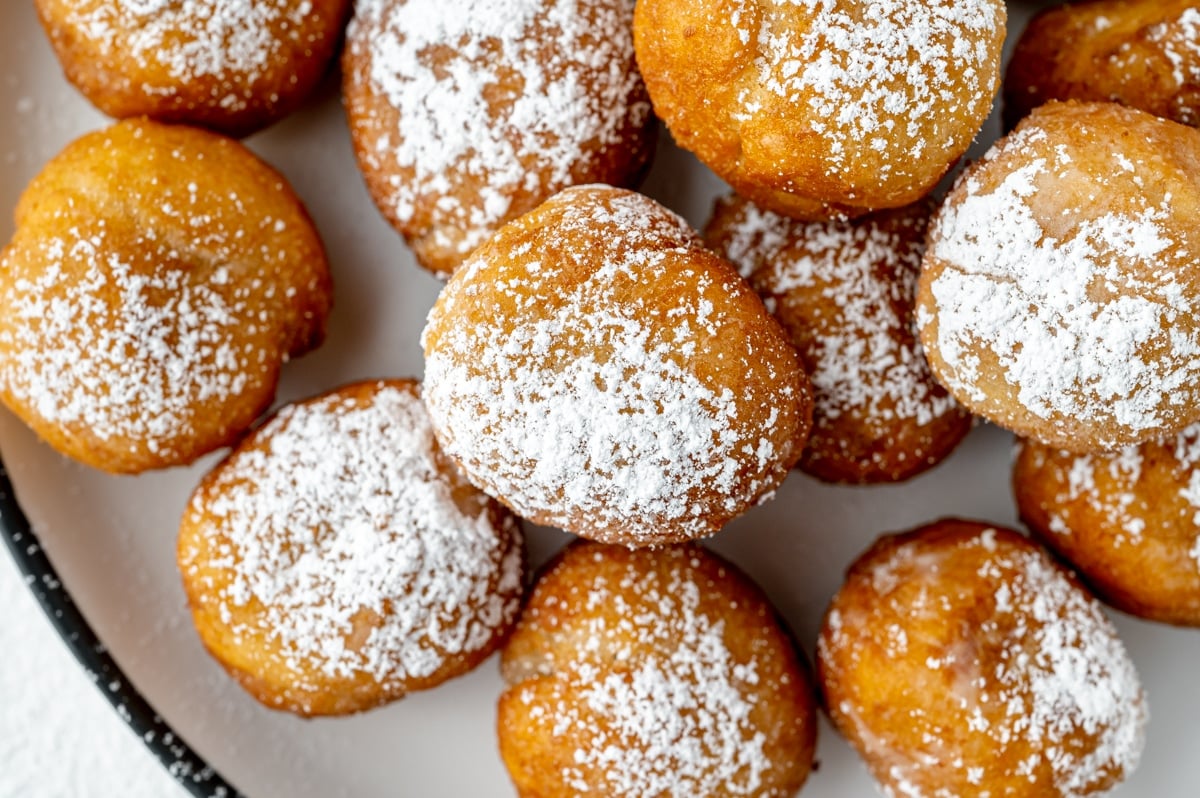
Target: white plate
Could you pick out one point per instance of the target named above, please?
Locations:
(113, 539)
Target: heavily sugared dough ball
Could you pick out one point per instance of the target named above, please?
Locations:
(596, 369)
(336, 560)
(230, 65)
(845, 293)
(823, 109)
(961, 660)
(1140, 53)
(653, 673)
(1059, 296)
(157, 280)
(1129, 520)
(468, 113)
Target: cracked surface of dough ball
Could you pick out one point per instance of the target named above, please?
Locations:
(653, 673)
(823, 109)
(845, 292)
(1141, 53)
(336, 560)
(1128, 520)
(960, 659)
(466, 114)
(596, 369)
(1059, 296)
(157, 280)
(234, 67)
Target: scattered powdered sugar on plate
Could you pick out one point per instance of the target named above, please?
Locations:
(338, 509)
(495, 98)
(590, 405)
(1070, 320)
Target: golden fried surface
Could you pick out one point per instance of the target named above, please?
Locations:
(961, 660)
(821, 110)
(1141, 53)
(1059, 296)
(157, 280)
(231, 67)
(1129, 520)
(336, 560)
(845, 293)
(466, 115)
(596, 369)
(653, 673)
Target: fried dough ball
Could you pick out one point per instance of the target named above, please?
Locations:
(1140, 53)
(234, 67)
(823, 110)
(1059, 295)
(157, 280)
(845, 293)
(466, 114)
(1129, 520)
(653, 673)
(962, 660)
(596, 369)
(336, 560)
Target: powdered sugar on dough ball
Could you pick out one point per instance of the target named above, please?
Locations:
(1059, 296)
(973, 643)
(468, 113)
(596, 369)
(336, 560)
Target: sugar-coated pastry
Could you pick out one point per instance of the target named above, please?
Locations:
(1128, 520)
(1059, 296)
(468, 113)
(653, 673)
(961, 660)
(336, 560)
(157, 280)
(234, 66)
(845, 292)
(1140, 53)
(596, 369)
(822, 109)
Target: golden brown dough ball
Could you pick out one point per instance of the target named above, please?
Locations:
(1059, 296)
(653, 673)
(1129, 520)
(234, 67)
(596, 369)
(845, 293)
(336, 560)
(961, 660)
(157, 280)
(1140, 53)
(467, 114)
(819, 110)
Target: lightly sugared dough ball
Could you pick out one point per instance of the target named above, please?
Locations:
(157, 280)
(962, 660)
(1141, 53)
(466, 114)
(596, 369)
(1128, 520)
(1059, 294)
(234, 66)
(826, 108)
(653, 673)
(845, 292)
(336, 560)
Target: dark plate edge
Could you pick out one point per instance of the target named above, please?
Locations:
(181, 762)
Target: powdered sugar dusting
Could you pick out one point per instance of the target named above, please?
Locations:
(339, 509)
(875, 72)
(1069, 319)
(588, 406)
(495, 97)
